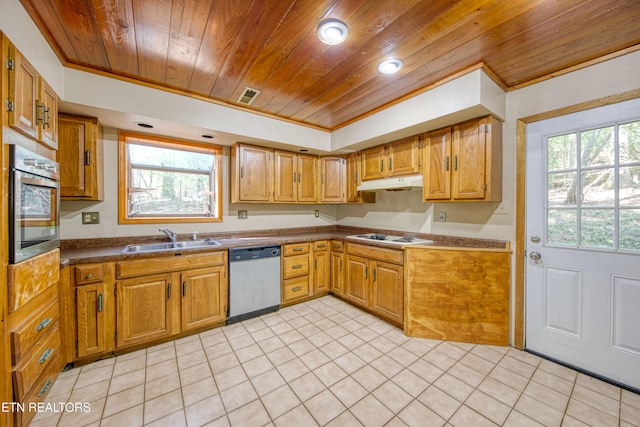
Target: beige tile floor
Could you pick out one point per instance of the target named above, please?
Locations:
(325, 362)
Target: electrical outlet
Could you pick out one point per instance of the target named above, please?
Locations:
(242, 214)
(91, 217)
(317, 213)
(442, 217)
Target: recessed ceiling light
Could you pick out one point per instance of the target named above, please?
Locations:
(390, 66)
(332, 31)
(144, 125)
(207, 136)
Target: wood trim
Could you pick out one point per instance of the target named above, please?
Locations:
(521, 150)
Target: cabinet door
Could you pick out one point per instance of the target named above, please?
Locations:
(285, 176)
(144, 308)
(404, 157)
(256, 175)
(80, 157)
(321, 272)
(204, 297)
(387, 298)
(468, 150)
(332, 180)
(357, 284)
(92, 320)
(49, 115)
(437, 165)
(337, 273)
(23, 93)
(308, 189)
(372, 163)
(353, 178)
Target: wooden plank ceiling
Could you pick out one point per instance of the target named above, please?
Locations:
(216, 48)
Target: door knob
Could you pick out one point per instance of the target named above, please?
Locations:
(535, 256)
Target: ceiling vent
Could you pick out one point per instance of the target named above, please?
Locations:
(248, 95)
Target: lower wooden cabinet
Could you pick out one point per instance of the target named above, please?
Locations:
(144, 309)
(305, 271)
(375, 280)
(192, 295)
(337, 267)
(321, 267)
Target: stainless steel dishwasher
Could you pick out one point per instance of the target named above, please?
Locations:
(254, 282)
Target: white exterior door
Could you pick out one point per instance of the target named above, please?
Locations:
(583, 240)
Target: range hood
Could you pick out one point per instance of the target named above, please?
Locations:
(392, 184)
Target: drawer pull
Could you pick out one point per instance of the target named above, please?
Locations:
(296, 289)
(45, 388)
(89, 276)
(322, 245)
(43, 324)
(99, 303)
(297, 249)
(45, 355)
(295, 267)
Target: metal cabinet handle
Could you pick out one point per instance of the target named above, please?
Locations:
(43, 324)
(297, 266)
(45, 388)
(169, 290)
(321, 245)
(447, 162)
(366, 272)
(297, 249)
(184, 288)
(340, 265)
(296, 289)
(45, 355)
(89, 276)
(381, 165)
(99, 303)
(87, 158)
(374, 274)
(455, 163)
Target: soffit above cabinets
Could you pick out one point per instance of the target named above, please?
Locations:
(214, 49)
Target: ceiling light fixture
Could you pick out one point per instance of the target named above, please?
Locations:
(207, 136)
(332, 31)
(144, 125)
(390, 66)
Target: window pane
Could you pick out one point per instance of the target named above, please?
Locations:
(561, 227)
(561, 189)
(597, 147)
(630, 143)
(630, 229)
(598, 187)
(597, 227)
(629, 182)
(561, 152)
(169, 193)
(169, 158)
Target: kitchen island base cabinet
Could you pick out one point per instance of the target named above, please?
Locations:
(457, 294)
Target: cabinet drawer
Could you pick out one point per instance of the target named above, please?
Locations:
(296, 249)
(40, 390)
(321, 245)
(295, 288)
(380, 254)
(26, 335)
(337, 245)
(90, 273)
(31, 277)
(27, 372)
(295, 266)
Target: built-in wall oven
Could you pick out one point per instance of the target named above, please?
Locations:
(34, 181)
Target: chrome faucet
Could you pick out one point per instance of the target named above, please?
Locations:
(170, 234)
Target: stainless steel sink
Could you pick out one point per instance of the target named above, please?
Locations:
(169, 246)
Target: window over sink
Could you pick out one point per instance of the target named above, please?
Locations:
(163, 180)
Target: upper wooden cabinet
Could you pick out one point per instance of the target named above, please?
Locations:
(251, 174)
(80, 157)
(353, 180)
(395, 159)
(32, 104)
(295, 177)
(332, 180)
(464, 162)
